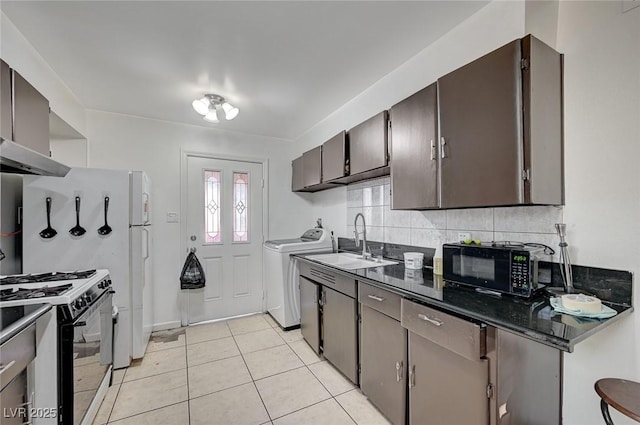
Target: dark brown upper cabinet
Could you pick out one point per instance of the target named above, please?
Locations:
(335, 157)
(414, 153)
(297, 174)
(312, 171)
(30, 115)
(368, 145)
(501, 128)
(306, 172)
(6, 126)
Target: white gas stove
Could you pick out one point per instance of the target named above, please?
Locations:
(78, 338)
(57, 288)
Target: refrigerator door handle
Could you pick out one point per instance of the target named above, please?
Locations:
(146, 244)
(145, 208)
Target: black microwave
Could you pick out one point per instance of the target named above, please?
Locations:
(506, 269)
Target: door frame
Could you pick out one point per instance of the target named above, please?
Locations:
(184, 164)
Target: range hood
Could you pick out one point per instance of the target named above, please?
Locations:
(15, 158)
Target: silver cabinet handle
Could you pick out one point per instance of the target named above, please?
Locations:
(373, 297)
(430, 320)
(399, 371)
(443, 142)
(433, 150)
(412, 376)
(4, 368)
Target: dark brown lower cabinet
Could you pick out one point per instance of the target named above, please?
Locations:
(309, 314)
(340, 332)
(383, 360)
(448, 369)
(444, 387)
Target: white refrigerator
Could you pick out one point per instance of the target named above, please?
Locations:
(124, 250)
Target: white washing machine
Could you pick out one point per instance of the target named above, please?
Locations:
(281, 277)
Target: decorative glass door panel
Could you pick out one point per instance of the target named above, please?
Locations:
(241, 207)
(212, 189)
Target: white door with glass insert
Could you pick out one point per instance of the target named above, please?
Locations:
(224, 225)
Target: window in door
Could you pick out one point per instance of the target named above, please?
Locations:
(241, 207)
(212, 195)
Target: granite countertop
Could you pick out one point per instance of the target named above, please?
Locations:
(532, 318)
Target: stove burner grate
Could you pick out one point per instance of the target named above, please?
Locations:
(46, 277)
(28, 293)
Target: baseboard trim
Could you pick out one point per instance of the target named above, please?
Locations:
(167, 325)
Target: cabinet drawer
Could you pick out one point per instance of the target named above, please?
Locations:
(330, 279)
(16, 354)
(383, 301)
(465, 338)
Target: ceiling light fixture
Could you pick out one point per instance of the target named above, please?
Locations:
(209, 105)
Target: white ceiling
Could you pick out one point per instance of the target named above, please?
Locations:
(286, 65)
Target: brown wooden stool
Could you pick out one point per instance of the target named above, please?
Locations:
(622, 395)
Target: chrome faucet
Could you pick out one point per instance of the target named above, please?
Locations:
(356, 235)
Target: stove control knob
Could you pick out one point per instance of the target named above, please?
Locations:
(86, 299)
(79, 304)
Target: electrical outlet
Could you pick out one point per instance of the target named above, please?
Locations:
(463, 236)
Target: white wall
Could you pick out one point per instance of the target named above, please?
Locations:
(72, 152)
(602, 132)
(124, 142)
(602, 128)
(21, 56)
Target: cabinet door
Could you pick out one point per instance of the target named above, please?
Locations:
(333, 157)
(6, 130)
(445, 388)
(30, 116)
(340, 342)
(414, 164)
(312, 166)
(383, 360)
(368, 144)
(297, 174)
(309, 313)
(481, 145)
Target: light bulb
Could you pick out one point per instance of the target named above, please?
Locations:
(212, 115)
(230, 112)
(201, 106)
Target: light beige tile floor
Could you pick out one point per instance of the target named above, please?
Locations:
(241, 371)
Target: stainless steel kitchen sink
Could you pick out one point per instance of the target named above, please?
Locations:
(349, 261)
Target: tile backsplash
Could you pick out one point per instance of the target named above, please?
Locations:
(431, 228)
